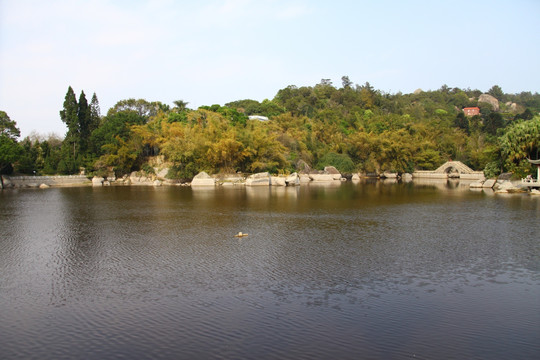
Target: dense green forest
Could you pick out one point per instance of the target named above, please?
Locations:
(355, 128)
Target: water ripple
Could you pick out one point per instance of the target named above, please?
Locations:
(341, 273)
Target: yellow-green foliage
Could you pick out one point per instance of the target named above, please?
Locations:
(354, 127)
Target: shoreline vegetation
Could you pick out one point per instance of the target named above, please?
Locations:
(355, 129)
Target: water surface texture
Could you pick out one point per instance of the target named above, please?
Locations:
(353, 271)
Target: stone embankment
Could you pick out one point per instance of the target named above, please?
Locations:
(502, 186)
(158, 177)
(45, 181)
(329, 175)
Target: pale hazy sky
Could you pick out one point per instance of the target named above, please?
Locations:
(212, 52)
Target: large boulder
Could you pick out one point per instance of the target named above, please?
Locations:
(355, 177)
(231, 179)
(302, 167)
(505, 186)
(293, 179)
(331, 170)
(476, 185)
(278, 181)
(97, 181)
(389, 175)
(336, 175)
(259, 179)
(322, 177)
(406, 177)
(203, 179)
(140, 178)
(486, 98)
(134, 177)
(489, 183)
(304, 178)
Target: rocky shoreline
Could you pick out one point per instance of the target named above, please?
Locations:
(503, 185)
(330, 175)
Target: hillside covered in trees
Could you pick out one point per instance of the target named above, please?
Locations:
(355, 128)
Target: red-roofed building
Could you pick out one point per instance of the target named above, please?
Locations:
(471, 111)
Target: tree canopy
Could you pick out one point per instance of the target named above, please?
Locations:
(9, 149)
(355, 128)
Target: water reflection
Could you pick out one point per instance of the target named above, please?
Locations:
(392, 269)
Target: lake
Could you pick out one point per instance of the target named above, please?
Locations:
(355, 271)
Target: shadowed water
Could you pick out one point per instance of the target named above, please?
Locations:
(352, 271)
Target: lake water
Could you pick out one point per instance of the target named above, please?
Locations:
(354, 271)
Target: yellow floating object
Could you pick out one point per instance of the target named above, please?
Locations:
(240, 234)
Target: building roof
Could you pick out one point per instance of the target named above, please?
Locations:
(258, 117)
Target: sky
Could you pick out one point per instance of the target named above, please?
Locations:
(212, 52)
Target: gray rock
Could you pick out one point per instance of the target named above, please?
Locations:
(322, 177)
(389, 175)
(476, 185)
(97, 181)
(293, 179)
(302, 167)
(406, 177)
(490, 100)
(278, 181)
(331, 170)
(259, 179)
(231, 179)
(489, 183)
(203, 179)
(44, 186)
(355, 177)
(505, 186)
(505, 176)
(304, 178)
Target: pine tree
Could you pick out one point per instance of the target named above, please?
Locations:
(95, 115)
(69, 116)
(83, 115)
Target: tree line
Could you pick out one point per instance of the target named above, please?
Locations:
(355, 128)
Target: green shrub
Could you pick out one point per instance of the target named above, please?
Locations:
(342, 162)
(148, 169)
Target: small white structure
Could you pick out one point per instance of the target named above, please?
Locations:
(258, 117)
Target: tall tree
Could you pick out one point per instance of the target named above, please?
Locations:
(9, 149)
(95, 114)
(70, 117)
(345, 82)
(83, 115)
(496, 92)
(181, 105)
